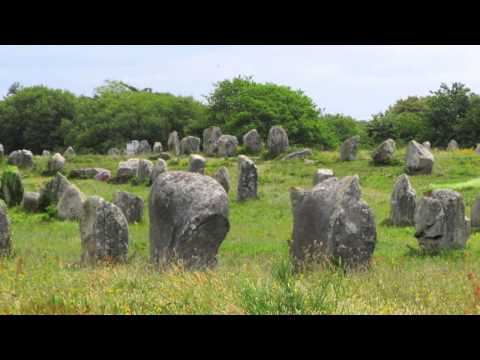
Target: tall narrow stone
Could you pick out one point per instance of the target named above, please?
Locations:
(173, 143)
(349, 149)
(277, 141)
(210, 140)
(402, 203)
(5, 232)
(247, 179)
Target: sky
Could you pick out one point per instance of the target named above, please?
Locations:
(356, 80)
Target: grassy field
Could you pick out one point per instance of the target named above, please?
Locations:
(44, 275)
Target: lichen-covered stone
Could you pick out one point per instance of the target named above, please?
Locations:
(403, 203)
(31, 201)
(143, 148)
(349, 149)
(419, 159)
(223, 177)
(144, 170)
(127, 170)
(210, 140)
(56, 163)
(300, 154)
(51, 193)
(247, 179)
(130, 204)
(321, 175)
(277, 141)
(189, 145)
(159, 168)
(173, 143)
(86, 173)
(5, 232)
(227, 146)
(70, 204)
(45, 153)
(11, 189)
(197, 164)
(21, 158)
(384, 153)
(252, 141)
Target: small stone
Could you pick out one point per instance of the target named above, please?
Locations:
(69, 153)
(165, 156)
(300, 154)
(223, 177)
(103, 175)
(197, 164)
(56, 163)
(130, 204)
(189, 145)
(385, 153)
(31, 201)
(321, 175)
(157, 147)
(127, 170)
(277, 141)
(211, 136)
(86, 173)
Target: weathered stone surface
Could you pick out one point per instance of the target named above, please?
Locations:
(223, 177)
(349, 149)
(277, 141)
(130, 204)
(69, 153)
(132, 148)
(103, 175)
(403, 203)
(104, 231)
(440, 222)
(5, 233)
(384, 153)
(252, 141)
(70, 205)
(159, 168)
(427, 145)
(452, 145)
(85, 173)
(113, 152)
(227, 146)
(475, 213)
(31, 201)
(173, 143)
(197, 164)
(247, 179)
(11, 189)
(56, 163)
(21, 158)
(127, 170)
(157, 147)
(321, 175)
(144, 171)
(419, 159)
(189, 145)
(144, 147)
(210, 140)
(300, 154)
(165, 156)
(51, 193)
(332, 223)
(188, 219)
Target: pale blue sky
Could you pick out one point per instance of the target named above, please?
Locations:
(353, 80)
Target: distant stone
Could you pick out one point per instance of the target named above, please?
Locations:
(165, 156)
(300, 154)
(31, 201)
(144, 170)
(52, 191)
(173, 143)
(227, 146)
(349, 149)
(247, 179)
(252, 141)
(210, 140)
(427, 145)
(321, 175)
(11, 187)
(86, 173)
(197, 164)
(130, 204)
(189, 145)
(144, 148)
(103, 231)
(69, 153)
(113, 152)
(475, 213)
(21, 158)
(157, 147)
(159, 168)
(452, 145)
(308, 162)
(477, 149)
(70, 205)
(188, 220)
(46, 153)
(384, 153)
(127, 170)
(2, 152)
(223, 177)
(277, 141)
(103, 175)
(5, 233)
(56, 163)
(132, 148)
(403, 203)
(419, 159)
(440, 222)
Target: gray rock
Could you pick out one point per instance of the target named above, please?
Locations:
(11, 189)
(403, 203)
(452, 145)
(103, 175)
(70, 205)
(165, 156)
(349, 149)
(419, 159)
(21, 158)
(144, 171)
(321, 175)
(56, 163)
(427, 145)
(113, 152)
(384, 153)
(223, 177)
(210, 140)
(332, 224)
(277, 141)
(46, 153)
(189, 145)
(197, 164)
(5, 233)
(159, 168)
(130, 204)
(300, 154)
(227, 146)
(247, 179)
(69, 153)
(127, 170)
(103, 231)
(188, 219)
(157, 147)
(132, 148)
(144, 148)
(440, 221)
(252, 141)
(173, 143)
(86, 173)
(51, 193)
(31, 201)
(475, 213)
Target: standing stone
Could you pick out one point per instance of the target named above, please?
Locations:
(188, 219)
(227, 146)
(189, 145)
(130, 204)
(12, 187)
(419, 159)
(321, 175)
(69, 153)
(103, 231)
(475, 213)
(132, 148)
(277, 141)
(427, 145)
(252, 141)
(247, 179)
(157, 147)
(127, 170)
(197, 164)
(384, 153)
(56, 163)
(70, 205)
(113, 152)
(31, 201)
(51, 193)
(349, 149)
(173, 143)
(5, 232)
(402, 203)
(143, 148)
(21, 158)
(332, 223)
(452, 145)
(440, 222)
(300, 154)
(144, 170)
(159, 168)
(2, 153)
(210, 140)
(45, 153)
(223, 177)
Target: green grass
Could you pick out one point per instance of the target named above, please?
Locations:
(44, 274)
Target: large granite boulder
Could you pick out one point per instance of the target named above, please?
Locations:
(452, 145)
(52, 191)
(321, 175)
(277, 141)
(223, 177)
(173, 143)
(21, 158)
(70, 204)
(5, 232)
(419, 159)
(11, 188)
(403, 203)
(227, 146)
(130, 204)
(188, 219)
(159, 168)
(332, 224)
(103, 231)
(197, 164)
(189, 145)
(349, 149)
(300, 154)
(247, 179)
(210, 140)
(56, 163)
(31, 201)
(252, 141)
(440, 222)
(384, 153)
